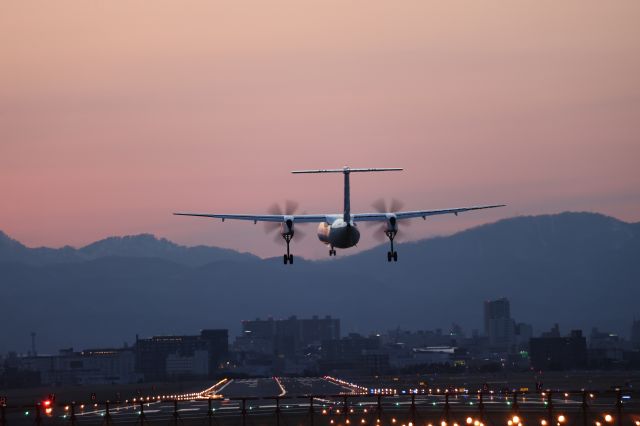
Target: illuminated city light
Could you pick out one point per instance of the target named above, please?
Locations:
(561, 419)
(515, 419)
(469, 420)
(608, 418)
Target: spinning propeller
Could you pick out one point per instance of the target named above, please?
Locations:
(290, 207)
(383, 206)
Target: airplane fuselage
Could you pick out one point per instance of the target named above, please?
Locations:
(339, 234)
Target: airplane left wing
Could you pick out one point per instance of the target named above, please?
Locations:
(363, 217)
(297, 218)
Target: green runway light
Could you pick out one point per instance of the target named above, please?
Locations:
(26, 413)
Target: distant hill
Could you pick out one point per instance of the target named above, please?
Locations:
(578, 269)
(142, 245)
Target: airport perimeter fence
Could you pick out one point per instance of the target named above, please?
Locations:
(547, 408)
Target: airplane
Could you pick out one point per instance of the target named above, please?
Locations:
(340, 230)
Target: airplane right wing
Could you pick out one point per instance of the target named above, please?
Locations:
(364, 217)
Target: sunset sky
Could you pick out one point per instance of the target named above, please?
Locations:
(115, 114)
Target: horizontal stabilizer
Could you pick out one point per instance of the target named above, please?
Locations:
(349, 170)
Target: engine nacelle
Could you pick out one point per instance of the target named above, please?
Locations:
(324, 229)
(286, 228)
(392, 224)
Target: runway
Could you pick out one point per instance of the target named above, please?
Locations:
(328, 401)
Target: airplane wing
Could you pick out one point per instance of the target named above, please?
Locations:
(363, 217)
(297, 218)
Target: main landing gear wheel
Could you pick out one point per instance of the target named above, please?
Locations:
(332, 252)
(392, 254)
(288, 257)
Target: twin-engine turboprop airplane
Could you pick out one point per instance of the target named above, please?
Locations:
(340, 230)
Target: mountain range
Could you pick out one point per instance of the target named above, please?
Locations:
(580, 270)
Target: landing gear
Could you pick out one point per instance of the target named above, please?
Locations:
(332, 252)
(287, 258)
(391, 255)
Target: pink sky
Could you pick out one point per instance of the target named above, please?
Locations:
(115, 114)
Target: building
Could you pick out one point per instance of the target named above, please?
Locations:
(184, 366)
(605, 349)
(559, 353)
(217, 346)
(635, 334)
(88, 367)
(523, 333)
(288, 336)
(152, 354)
(499, 327)
(354, 353)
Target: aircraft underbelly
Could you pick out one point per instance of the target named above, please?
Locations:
(344, 237)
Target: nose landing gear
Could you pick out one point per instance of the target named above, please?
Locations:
(288, 257)
(391, 255)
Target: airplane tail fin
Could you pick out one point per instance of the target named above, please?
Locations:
(347, 171)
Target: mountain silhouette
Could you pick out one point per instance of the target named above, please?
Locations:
(578, 269)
